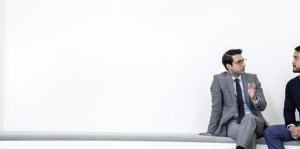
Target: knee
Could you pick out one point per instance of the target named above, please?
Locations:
(250, 119)
(269, 132)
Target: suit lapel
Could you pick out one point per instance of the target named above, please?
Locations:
(245, 86)
(230, 86)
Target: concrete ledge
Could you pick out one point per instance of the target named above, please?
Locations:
(113, 136)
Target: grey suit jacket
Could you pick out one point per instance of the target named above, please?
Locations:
(224, 101)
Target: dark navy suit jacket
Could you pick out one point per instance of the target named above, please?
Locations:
(292, 101)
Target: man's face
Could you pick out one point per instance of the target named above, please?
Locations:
(296, 62)
(238, 65)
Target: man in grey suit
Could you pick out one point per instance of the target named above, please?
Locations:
(237, 102)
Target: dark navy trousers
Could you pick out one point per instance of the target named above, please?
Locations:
(276, 135)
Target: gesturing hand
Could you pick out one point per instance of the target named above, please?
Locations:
(251, 90)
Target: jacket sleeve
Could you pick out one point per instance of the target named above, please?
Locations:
(261, 105)
(289, 108)
(217, 106)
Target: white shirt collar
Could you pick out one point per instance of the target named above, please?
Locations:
(239, 77)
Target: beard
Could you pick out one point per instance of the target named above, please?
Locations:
(295, 69)
(242, 71)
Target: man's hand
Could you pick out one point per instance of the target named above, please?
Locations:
(252, 90)
(295, 131)
(203, 134)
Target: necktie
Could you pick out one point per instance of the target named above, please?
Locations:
(240, 102)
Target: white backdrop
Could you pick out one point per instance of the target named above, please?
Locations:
(137, 66)
(2, 46)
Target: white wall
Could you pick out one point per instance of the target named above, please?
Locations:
(137, 66)
(2, 47)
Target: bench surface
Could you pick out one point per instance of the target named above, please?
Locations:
(115, 136)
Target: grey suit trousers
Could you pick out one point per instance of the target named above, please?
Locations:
(246, 133)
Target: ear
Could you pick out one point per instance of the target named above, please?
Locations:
(228, 66)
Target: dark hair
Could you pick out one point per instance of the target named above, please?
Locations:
(227, 57)
(297, 49)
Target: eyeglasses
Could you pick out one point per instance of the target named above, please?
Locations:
(241, 62)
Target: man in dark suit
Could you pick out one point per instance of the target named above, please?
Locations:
(237, 102)
(277, 134)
